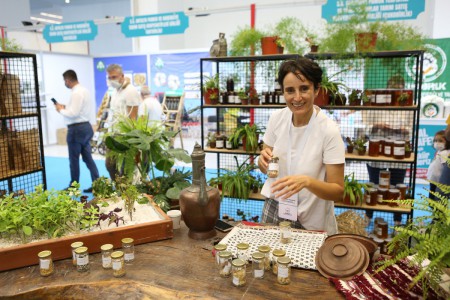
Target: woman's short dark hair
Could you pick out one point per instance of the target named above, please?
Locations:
(304, 66)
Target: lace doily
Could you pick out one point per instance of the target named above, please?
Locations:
(301, 250)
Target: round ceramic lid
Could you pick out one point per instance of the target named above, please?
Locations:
(342, 258)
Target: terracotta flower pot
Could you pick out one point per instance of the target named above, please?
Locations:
(207, 95)
(244, 101)
(269, 45)
(314, 48)
(349, 149)
(366, 41)
(254, 101)
(322, 99)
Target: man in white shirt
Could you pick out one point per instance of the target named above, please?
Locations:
(125, 101)
(150, 107)
(77, 114)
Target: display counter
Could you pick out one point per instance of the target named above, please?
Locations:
(179, 268)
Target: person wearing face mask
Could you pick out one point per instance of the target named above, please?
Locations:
(442, 147)
(125, 101)
(310, 150)
(77, 113)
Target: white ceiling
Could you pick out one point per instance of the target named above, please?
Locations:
(57, 6)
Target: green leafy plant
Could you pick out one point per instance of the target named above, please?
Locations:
(331, 86)
(242, 94)
(353, 189)
(248, 132)
(291, 33)
(431, 238)
(9, 45)
(130, 195)
(403, 98)
(360, 144)
(244, 39)
(211, 82)
(237, 182)
(103, 188)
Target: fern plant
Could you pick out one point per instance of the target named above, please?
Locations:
(432, 239)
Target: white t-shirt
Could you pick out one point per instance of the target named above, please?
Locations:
(80, 106)
(120, 99)
(152, 108)
(323, 146)
(437, 166)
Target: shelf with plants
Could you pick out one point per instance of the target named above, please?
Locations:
(22, 164)
(230, 151)
(381, 101)
(220, 105)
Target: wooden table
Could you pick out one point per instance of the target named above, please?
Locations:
(180, 268)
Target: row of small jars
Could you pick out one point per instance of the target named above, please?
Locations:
(231, 97)
(261, 262)
(375, 195)
(80, 258)
(389, 148)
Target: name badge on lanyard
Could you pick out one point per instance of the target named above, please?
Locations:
(287, 208)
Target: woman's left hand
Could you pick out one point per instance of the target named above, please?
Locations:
(290, 185)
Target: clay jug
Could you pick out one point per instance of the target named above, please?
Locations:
(200, 203)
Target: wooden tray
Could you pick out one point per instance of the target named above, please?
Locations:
(26, 255)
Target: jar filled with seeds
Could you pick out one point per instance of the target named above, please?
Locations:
(217, 249)
(284, 270)
(277, 253)
(238, 272)
(285, 232)
(258, 264)
(106, 256)
(224, 263)
(242, 251)
(128, 249)
(74, 246)
(45, 263)
(264, 249)
(82, 259)
(272, 169)
(118, 263)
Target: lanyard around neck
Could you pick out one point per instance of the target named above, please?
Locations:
(301, 144)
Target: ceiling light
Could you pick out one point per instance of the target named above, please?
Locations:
(51, 15)
(67, 1)
(45, 20)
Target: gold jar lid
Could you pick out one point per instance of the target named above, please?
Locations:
(284, 260)
(258, 255)
(264, 248)
(278, 252)
(242, 246)
(285, 224)
(75, 245)
(81, 250)
(238, 262)
(220, 247)
(117, 254)
(127, 240)
(44, 254)
(106, 247)
(225, 254)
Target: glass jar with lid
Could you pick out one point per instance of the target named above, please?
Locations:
(264, 249)
(373, 196)
(393, 194)
(258, 264)
(220, 141)
(276, 253)
(242, 251)
(399, 150)
(382, 230)
(118, 263)
(238, 272)
(402, 188)
(374, 147)
(82, 259)
(106, 249)
(45, 263)
(284, 270)
(74, 246)
(217, 249)
(273, 168)
(128, 249)
(384, 179)
(285, 232)
(388, 147)
(225, 263)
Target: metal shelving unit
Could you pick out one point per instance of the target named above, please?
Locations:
(22, 164)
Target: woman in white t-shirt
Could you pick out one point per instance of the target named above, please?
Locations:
(310, 150)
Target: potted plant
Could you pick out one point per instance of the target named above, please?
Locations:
(429, 251)
(350, 145)
(329, 89)
(244, 41)
(353, 190)
(249, 134)
(253, 96)
(214, 97)
(338, 99)
(243, 96)
(405, 98)
(211, 86)
(354, 98)
(211, 140)
(360, 145)
(291, 33)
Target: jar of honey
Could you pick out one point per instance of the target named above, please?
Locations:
(374, 147)
(384, 180)
(402, 188)
(388, 147)
(373, 196)
(393, 194)
(382, 194)
(382, 230)
(381, 152)
(399, 150)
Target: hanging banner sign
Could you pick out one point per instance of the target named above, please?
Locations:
(70, 32)
(160, 24)
(335, 11)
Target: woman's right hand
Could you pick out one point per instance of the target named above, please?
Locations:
(264, 157)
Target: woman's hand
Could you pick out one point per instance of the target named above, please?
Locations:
(264, 157)
(290, 185)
